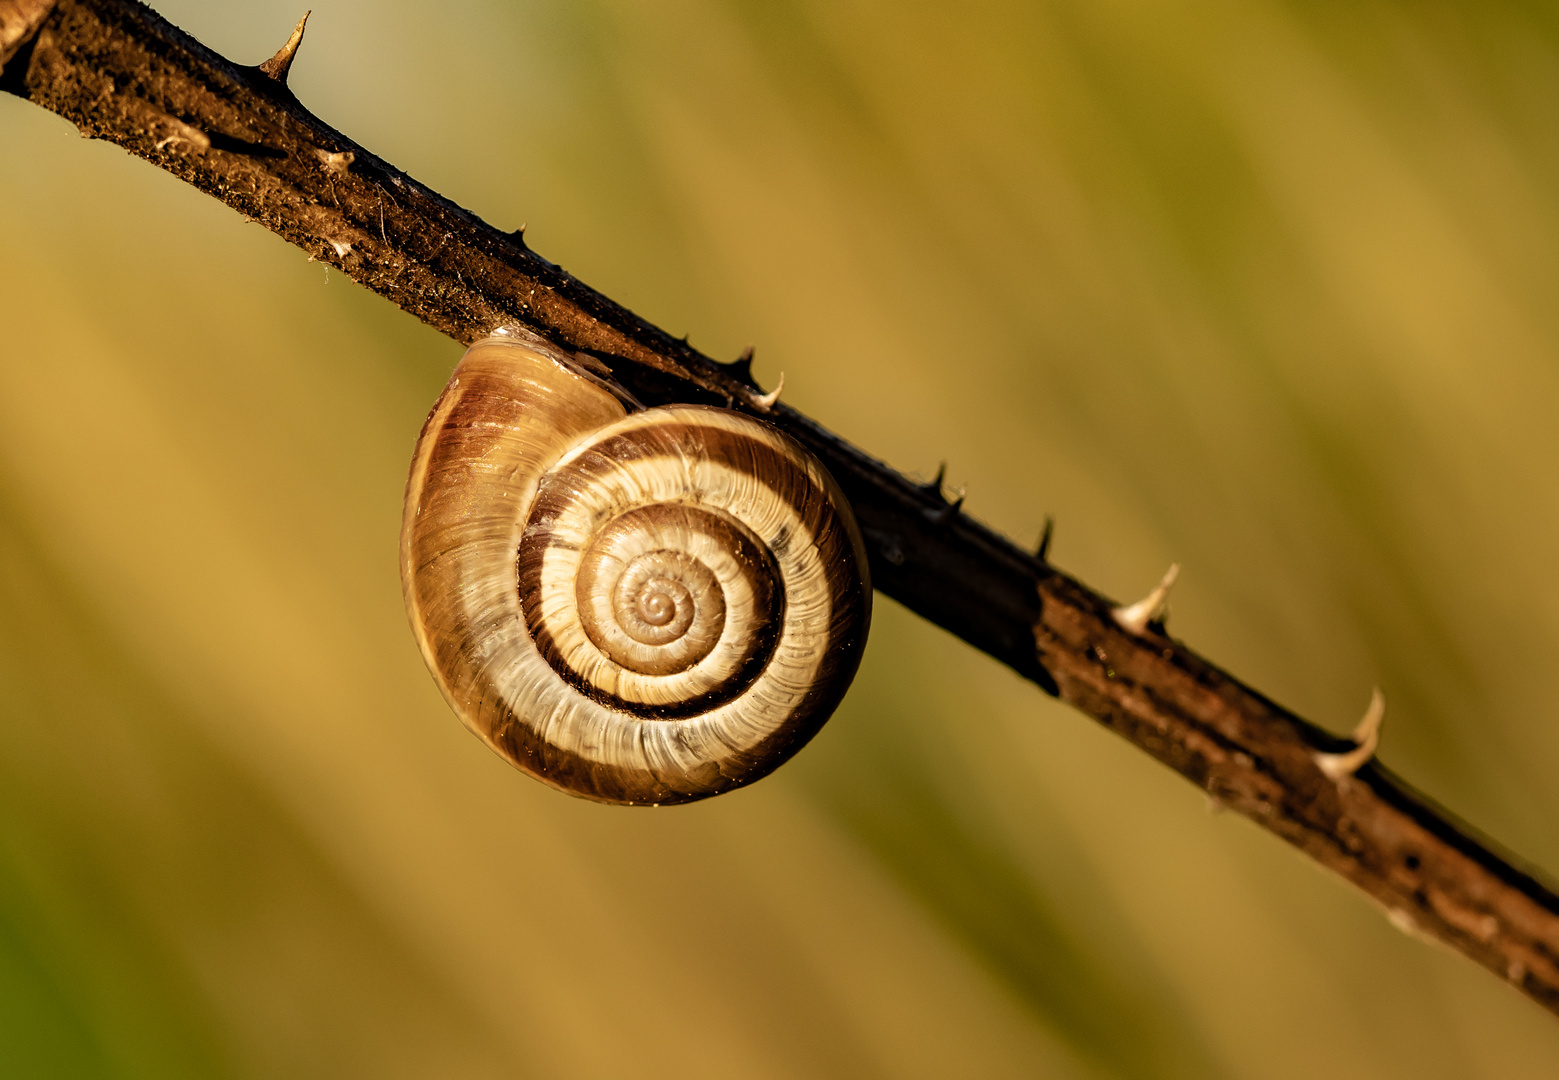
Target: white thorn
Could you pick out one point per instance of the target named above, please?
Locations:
(279, 65)
(765, 402)
(1339, 767)
(1135, 619)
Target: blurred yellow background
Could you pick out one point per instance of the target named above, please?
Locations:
(1269, 289)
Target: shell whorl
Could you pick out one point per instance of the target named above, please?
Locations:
(648, 607)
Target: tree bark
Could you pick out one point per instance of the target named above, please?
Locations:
(120, 72)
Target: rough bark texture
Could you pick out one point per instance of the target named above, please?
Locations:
(120, 72)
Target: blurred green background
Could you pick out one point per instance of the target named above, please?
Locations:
(1269, 289)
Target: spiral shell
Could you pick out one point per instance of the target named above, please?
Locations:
(644, 608)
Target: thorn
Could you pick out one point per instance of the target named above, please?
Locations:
(765, 402)
(518, 236)
(948, 512)
(1043, 553)
(1150, 608)
(741, 368)
(278, 66)
(934, 487)
(1339, 767)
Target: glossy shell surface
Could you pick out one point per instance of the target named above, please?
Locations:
(647, 607)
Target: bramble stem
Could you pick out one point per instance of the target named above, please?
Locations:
(120, 72)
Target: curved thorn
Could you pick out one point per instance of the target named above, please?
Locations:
(741, 367)
(278, 66)
(1135, 618)
(948, 512)
(1339, 767)
(934, 487)
(765, 402)
(1043, 553)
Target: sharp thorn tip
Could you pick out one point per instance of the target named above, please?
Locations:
(1134, 619)
(1339, 767)
(933, 487)
(279, 65)
(950, 511)
(765, 402)
(1044, 539)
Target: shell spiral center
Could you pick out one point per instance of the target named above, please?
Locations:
(678, 606)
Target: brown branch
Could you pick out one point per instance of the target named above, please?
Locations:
(119, 72)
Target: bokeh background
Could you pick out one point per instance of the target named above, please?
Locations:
(1270, 289)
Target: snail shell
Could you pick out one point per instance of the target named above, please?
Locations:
(645, 607)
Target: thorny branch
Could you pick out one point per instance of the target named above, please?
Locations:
(120, 72)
